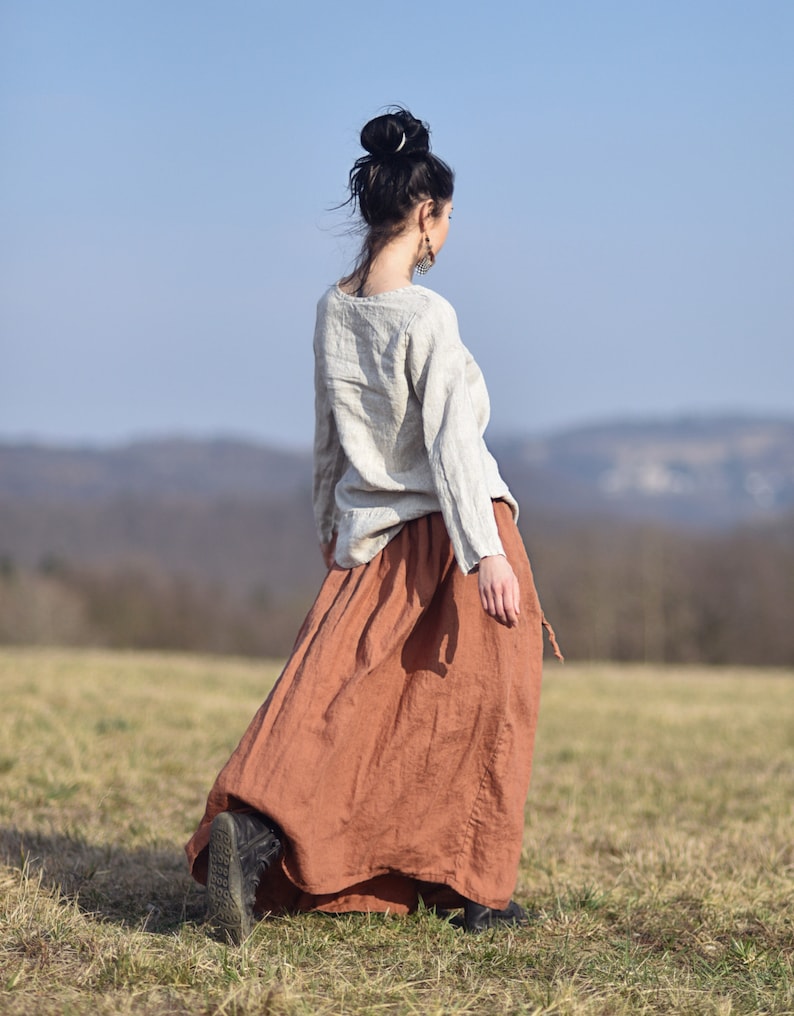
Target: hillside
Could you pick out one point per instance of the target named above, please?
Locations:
(240, 512)
(646, 539)
(146, 497)
(167, 468)
(699, 471)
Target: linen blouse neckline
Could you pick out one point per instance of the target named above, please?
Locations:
(375, 296)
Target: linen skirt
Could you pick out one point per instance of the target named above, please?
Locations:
(394, 751)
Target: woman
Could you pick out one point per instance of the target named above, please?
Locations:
(391, 760)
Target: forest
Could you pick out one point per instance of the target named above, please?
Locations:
(612, 590)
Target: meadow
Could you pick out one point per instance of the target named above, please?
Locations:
(658, 861)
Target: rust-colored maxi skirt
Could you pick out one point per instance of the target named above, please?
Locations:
(395, 750)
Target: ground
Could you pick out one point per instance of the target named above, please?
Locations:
(658, 861)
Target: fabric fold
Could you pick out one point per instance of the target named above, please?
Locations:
(395, 749)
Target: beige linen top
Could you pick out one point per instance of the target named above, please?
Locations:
(401, 408)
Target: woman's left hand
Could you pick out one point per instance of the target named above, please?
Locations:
(499, 590)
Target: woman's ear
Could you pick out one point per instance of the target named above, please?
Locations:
(426, 211)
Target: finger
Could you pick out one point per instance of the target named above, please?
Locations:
(510, 603)
(505, 604)
(499, 606)
(490, 603)
(515, 604)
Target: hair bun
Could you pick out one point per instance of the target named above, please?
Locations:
(397, 132)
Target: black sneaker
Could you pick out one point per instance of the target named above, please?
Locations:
(242, 847)
(477, 918)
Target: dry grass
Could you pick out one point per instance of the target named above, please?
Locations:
(658, 857)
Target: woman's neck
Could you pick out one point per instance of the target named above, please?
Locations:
(392, 268)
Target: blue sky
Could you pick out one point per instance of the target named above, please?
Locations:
(622, 242)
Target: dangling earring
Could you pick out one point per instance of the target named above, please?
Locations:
(428, 259)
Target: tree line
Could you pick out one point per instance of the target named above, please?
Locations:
(612, 590)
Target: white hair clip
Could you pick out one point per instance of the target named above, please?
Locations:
(400, 146)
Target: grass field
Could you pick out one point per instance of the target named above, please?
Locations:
(658, 860)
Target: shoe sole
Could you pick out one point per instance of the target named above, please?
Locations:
(226, 909)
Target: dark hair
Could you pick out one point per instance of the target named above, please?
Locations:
(397, 173)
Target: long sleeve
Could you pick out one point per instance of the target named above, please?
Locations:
(444, 376)
(329, 459)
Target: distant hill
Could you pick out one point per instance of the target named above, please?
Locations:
(239, 513)
(227, 511)
(704, 472)
(655, 540)
(160, 468)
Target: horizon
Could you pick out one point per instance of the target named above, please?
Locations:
(635, 421)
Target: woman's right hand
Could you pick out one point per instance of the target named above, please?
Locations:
(327, 550)
(499, 590)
